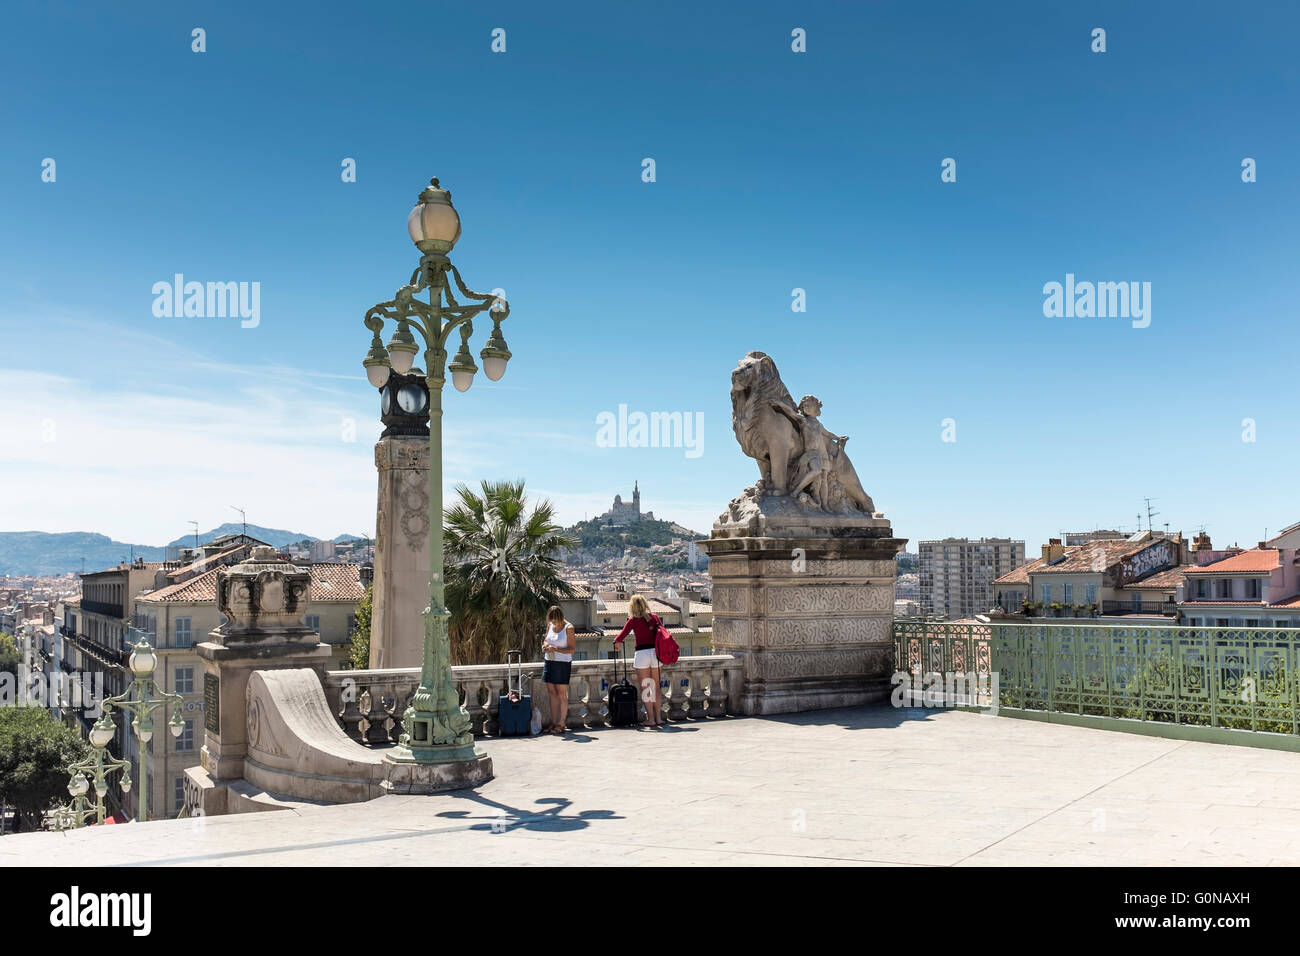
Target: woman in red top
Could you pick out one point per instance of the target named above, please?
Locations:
(646, 662)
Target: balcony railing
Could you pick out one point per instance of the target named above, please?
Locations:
(369, 703)
(1213, 677)
(102, 607)
(1165, 608)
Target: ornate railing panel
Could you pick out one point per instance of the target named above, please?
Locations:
(1235, 678)
(369, 703)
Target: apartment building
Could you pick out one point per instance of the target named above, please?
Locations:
(957, 575)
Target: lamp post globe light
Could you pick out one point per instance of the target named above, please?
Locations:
(97, 766)
(436, 750)
(141, 699)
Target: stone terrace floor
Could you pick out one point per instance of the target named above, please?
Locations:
(862, 786)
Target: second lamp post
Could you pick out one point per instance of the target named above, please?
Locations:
(436, 750)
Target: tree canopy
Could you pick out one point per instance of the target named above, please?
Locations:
(35, 751)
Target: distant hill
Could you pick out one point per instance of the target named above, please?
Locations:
(273, 536)
(41, 553)
(602, 541)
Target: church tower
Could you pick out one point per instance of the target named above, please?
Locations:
(636, 501)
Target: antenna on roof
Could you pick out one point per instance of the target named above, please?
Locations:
(196, 534)
(243, 519)
(1150, 514)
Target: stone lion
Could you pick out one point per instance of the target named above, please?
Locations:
(764, 434)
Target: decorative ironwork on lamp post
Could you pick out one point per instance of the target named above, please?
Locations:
(436, 728)
(140, 700)
(92, 773)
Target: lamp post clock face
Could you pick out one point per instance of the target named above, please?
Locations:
(411, 399)
(404, 405)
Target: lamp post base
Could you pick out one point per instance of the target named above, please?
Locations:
(407, 772)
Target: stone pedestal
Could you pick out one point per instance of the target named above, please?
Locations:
(263, 600)
(411, 777)
(401, 584)
(806, 602)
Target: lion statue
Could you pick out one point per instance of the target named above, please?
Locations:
(765, 435)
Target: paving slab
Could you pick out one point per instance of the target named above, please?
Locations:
(861, 786)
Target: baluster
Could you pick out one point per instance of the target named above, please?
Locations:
(670, 697)
(596, 683)
(401, 700)
(475, 702)
(698, 705)
(491, 710)
(372, 706)
(352, 714)
(573, 719)
(717, 696)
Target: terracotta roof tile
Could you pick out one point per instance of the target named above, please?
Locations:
(329, 582)
(1256, 559)
(1161, 580)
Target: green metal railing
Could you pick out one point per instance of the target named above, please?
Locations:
(1240, 679)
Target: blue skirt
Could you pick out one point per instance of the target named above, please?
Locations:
(556, 672)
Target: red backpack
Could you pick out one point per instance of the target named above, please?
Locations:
(666, 647)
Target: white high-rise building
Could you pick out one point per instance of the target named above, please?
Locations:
(957, 574)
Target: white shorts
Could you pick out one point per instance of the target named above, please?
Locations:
(643, 660)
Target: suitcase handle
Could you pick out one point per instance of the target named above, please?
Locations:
(517, 657)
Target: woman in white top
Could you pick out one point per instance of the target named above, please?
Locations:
(559, 646)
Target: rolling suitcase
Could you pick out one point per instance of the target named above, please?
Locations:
(623, 698)
(514, 708)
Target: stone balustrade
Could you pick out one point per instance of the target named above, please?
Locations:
(369, 703)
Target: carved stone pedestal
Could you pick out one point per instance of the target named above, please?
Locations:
(412, 777)
(808, 613)
(401, 585)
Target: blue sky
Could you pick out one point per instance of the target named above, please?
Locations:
(775, 171)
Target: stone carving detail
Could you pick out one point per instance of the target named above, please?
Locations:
(263, 596)
(847, 630)
(730, 632)
(414, 513)
(796, 455)
(786, 665)
(730, 600)
(260, 738)
(829, 598)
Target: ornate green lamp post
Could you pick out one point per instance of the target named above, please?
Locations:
(96, 768)
(141, 699)
(436, 750)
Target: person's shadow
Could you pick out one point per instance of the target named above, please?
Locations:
(507, 818)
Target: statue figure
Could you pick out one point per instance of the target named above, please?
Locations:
(763, 435)
(797, 456)
(823, 469)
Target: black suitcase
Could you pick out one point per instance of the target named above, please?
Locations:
(623, 698)
(514, 708)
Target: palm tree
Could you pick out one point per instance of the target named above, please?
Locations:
(503, 571)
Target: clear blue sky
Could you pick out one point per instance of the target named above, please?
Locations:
(775, 170)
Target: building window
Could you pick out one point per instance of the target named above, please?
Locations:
(183, 637)
(1137, 601)
(1069, 592)
(1201, 589)
(1045, 591)
(178, 793)
(313, 621)
(185, 742)
(579, 655)
(1225, 588)
(1252, 588)
(184, 680)
(1090, 593)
